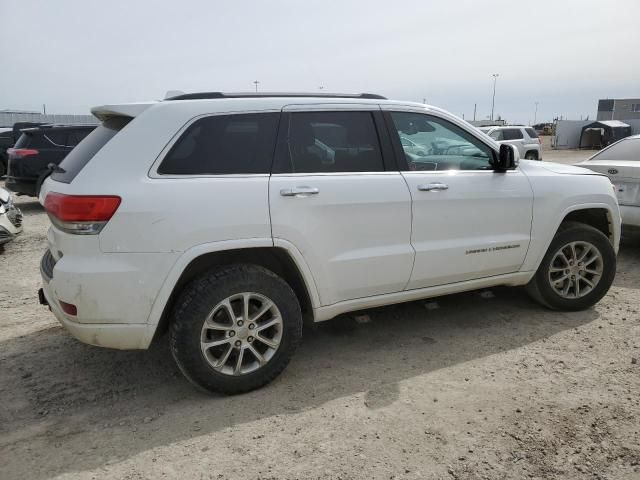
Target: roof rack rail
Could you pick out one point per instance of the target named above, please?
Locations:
(213, 95)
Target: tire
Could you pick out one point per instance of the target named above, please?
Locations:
(3, 168)
(549, 279)
(215, 369)
(531, 156)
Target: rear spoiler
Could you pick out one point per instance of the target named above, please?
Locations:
(131, 110)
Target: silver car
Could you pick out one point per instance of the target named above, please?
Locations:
(525, 139)
(620, 161)
(10, 217)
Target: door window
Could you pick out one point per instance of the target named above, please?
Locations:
(320, 142)
(439, 144)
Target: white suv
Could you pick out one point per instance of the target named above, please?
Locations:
(525, 139)
(225, 219)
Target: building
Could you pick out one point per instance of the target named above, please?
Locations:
(487, 123)
(619, 109)
(9, 117)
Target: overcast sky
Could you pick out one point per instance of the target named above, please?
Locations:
(72, 54)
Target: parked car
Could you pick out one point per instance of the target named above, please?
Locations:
(620, 161)
(409, 146)
(6, 141)
(35, 150)
(10, 217)
(219, 218)
(525, 139)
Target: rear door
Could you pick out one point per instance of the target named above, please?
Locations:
(337, 197)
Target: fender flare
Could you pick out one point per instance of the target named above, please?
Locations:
(558, 221)
(192, 253)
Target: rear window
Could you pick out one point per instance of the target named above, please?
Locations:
(628, 149)
(32, 140)
(76, 136)
(531, 132)
(80, 156)
(57, 137)
(224, 145)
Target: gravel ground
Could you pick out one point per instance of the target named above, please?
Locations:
(478, 385)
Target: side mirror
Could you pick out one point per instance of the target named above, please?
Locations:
(507, 158)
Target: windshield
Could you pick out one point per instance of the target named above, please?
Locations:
(627, 149)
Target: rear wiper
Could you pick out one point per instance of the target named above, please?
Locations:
(56, 168)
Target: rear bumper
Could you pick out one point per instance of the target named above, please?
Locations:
(118, 336)
(630, 216)
(113, 297)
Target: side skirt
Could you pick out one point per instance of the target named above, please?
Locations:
(330, 311)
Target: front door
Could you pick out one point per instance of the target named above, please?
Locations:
(334, 198)
(469, 221)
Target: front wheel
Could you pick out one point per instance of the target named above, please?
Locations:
(235, 329)
(577, 270)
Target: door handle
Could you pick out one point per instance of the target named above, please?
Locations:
(302, 191)
(430, 187)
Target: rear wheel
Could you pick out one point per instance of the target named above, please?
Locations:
(577, 270)
(531, 156)
(235, 329)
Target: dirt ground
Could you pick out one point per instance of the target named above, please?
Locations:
(483, 385)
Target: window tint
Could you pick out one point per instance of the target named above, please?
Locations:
(628, 149)
(331, 142)
(33, 139)
(80, 156)
(531, 132)
(512, 134)
(439, 144)
(58, 138)
(224, 145)
(497, 135)
(76, 136)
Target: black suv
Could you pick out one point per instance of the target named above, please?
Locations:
(35, 150)
(6, 141)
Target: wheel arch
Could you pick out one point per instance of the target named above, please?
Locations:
(284, 260)
(598, 215)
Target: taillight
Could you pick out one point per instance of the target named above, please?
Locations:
(21, 152)
(68, 308)
(80, 214)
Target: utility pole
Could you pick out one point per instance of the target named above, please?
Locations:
(474, 111)
(256, 82)
(424, 100)
(44, 108)
(493, 101)
(535, 115)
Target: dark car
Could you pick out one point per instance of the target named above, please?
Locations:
(35, 150)
(6, 141)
